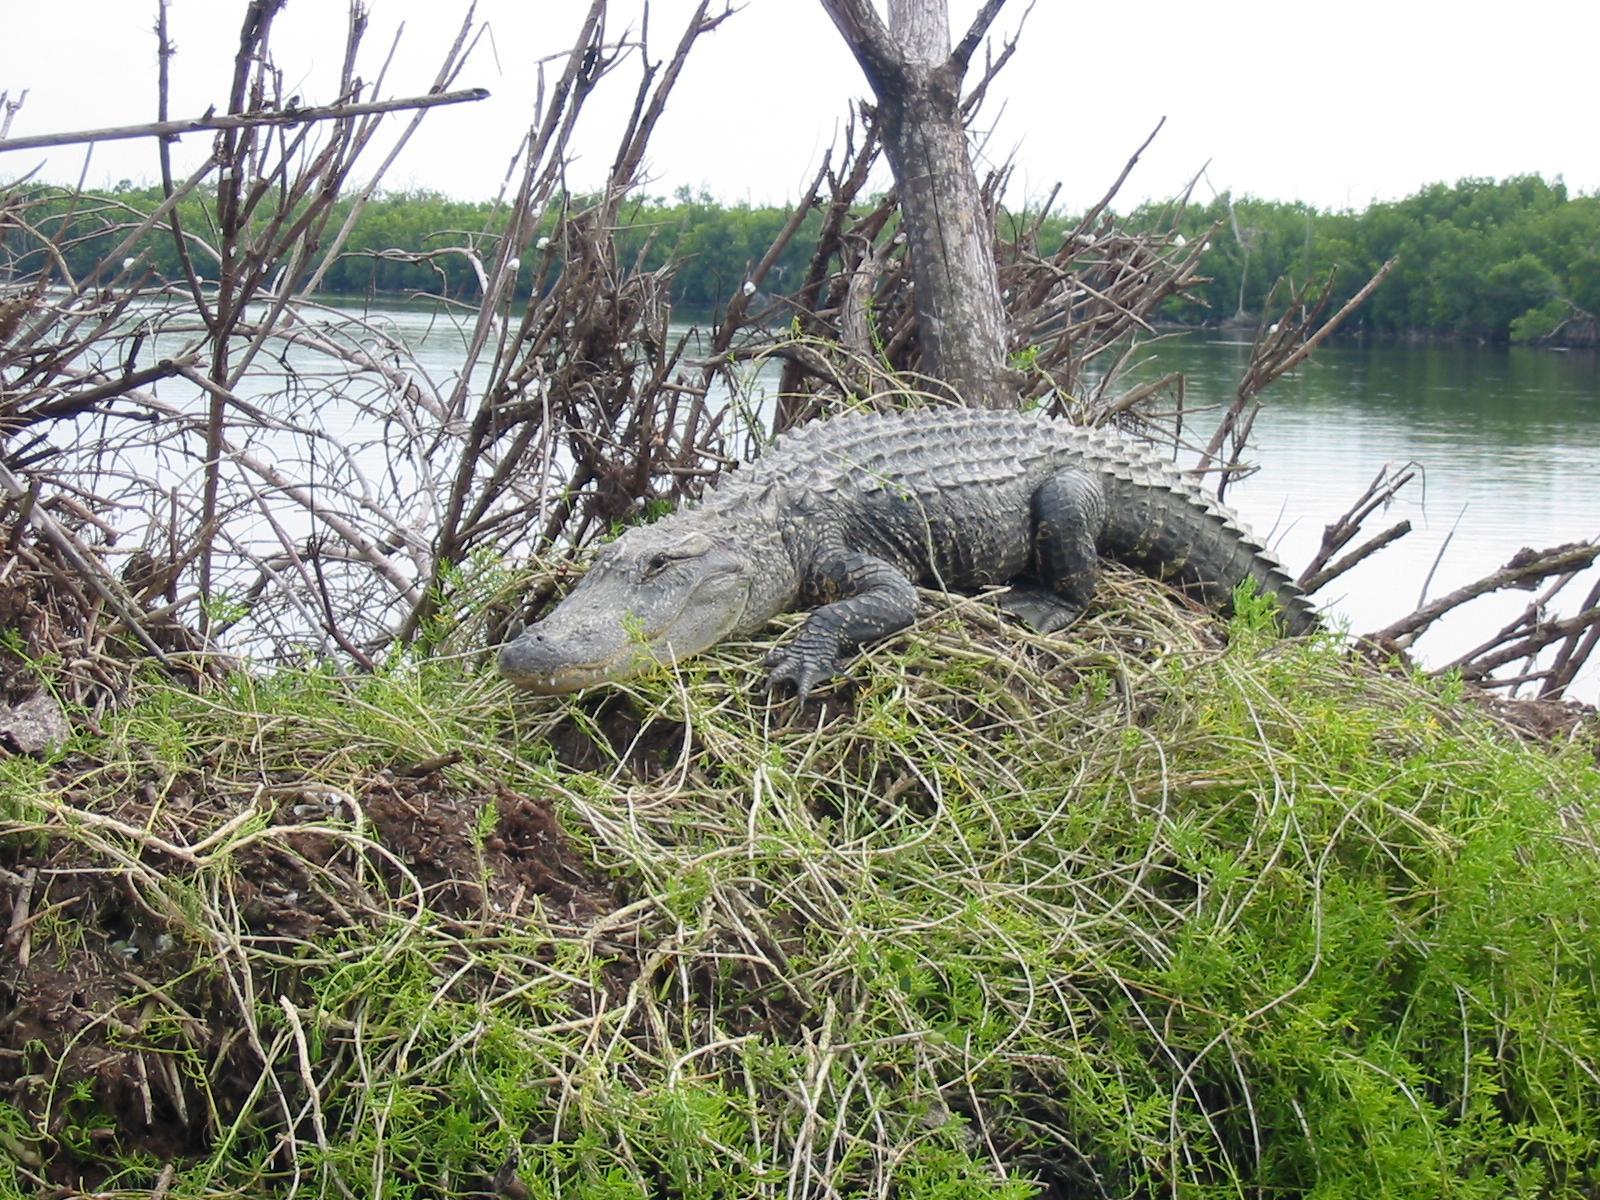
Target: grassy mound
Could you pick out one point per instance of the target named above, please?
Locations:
(1138, 911)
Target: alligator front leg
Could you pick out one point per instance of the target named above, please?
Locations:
(1069, 511)
(876, 599)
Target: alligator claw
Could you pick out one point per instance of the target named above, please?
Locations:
(790, 667)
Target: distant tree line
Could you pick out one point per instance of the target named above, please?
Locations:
(1514, 260)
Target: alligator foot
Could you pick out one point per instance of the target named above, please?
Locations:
(803, 664)
(1040, 610)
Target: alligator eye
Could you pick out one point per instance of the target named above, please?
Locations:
(657, 563)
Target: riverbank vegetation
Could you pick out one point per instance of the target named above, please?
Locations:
(298, 898)
(1155, 908)
(1511, 260)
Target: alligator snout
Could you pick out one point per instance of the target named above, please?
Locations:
(541, 661)
(526, 659)
(654, 596)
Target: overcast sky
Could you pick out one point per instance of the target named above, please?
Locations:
(1332, 104)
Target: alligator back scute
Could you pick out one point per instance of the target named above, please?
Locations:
(961, 465)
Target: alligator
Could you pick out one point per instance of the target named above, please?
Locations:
(852, 512)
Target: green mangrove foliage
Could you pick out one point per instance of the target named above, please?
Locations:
(410, 242)
(1512, 260)
(1125, 913)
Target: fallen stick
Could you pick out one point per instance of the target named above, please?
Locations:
(209, 122)
(1524, 567)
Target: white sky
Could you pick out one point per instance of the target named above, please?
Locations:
(1335, 105)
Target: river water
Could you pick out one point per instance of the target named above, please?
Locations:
(1507, 439)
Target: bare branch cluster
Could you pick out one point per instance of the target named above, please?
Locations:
(851, 326)
(268, 473)
(1385, 485)
(1540, 627)
(220, 461)
(1534, 630)
(1279, 347)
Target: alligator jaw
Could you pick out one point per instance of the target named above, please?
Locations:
(524, 663)
(657, 595)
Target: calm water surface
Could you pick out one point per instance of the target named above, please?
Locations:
(1507, 440)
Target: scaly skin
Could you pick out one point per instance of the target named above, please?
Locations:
(849, 514)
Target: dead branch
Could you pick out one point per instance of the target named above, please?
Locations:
(625, 167)
(75, 403)
(1314, 583)
(1385, 485)
(733, 318)
(993, 64)
(961, 53)
(1524, 569)
(1575, 651)
(9, 109)
(1091, 218)
(868, 38)
(1544, 634)
(245, 120)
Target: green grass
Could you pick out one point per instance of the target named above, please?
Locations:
(1129, 911)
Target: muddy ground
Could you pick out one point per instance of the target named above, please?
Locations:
(88, 964)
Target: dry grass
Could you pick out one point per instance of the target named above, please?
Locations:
(1141, 909)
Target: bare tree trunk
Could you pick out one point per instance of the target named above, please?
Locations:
(916, 77)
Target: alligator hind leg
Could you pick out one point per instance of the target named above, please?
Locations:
(1069, 511)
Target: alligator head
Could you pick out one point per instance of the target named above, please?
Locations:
(655, 595)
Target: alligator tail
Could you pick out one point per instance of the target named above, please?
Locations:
(1177, 533)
